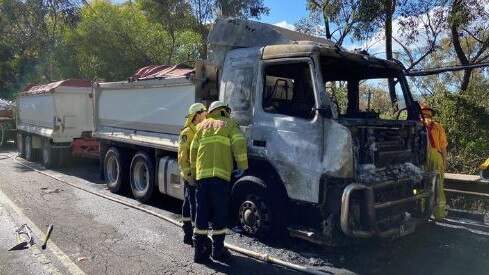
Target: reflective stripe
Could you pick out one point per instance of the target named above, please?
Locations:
(201, 231)
(185, 170)
(186, 219)
(241, 157)
(215, 139)
(219, 232)
(213, 172)
(193, 223)
(237, 137)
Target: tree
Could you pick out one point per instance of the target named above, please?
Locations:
(29, 31)
(469, 25)
(174, 15)
(112, 41)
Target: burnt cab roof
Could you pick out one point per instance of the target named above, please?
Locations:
(356, 64)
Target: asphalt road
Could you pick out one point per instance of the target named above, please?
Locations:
(94, 235)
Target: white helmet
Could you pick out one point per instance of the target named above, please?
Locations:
(217, 104)
(196, 107)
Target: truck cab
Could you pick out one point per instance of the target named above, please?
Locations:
(331, 148)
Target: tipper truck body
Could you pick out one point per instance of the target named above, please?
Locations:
(333, 153)
(55, 121)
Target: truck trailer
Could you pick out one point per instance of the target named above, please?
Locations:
(333, 153)
(55, 120)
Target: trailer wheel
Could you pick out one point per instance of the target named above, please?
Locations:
(30, 153)
(2, 134)
(115, 170)
(484, 174)
(259, 213)
(142, 173)
(50, 155)
(20, 145)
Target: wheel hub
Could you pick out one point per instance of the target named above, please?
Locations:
(141, 177)
(250, 217)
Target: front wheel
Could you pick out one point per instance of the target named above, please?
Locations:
(259, 213)
(142, 176)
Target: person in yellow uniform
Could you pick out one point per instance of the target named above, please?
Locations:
(216, 144)
(437, 157)
(196, 114)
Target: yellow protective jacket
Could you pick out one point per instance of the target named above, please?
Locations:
(184, 141)
(218, 140)
(437, 138)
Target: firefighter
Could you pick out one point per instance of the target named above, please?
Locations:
(196, 114)
(437, 157)
(217, 142)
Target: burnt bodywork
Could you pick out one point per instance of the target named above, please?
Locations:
(351, 158)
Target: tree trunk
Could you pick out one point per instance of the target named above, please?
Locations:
(326, 24)
(458, 48)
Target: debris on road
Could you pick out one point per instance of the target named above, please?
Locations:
(24, 238)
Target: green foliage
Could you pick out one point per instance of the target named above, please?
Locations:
(465, 118)
(111, 41)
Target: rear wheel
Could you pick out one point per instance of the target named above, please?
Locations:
(30, 153)
(20, 145)
(115, 170)
(485, 174)
(142, 173)
(50, 155)
(2, 134)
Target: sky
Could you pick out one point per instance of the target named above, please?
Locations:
(284, 13)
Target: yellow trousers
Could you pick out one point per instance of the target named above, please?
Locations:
(435, 163)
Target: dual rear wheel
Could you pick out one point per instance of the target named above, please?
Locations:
(122, 172)
(51, 156)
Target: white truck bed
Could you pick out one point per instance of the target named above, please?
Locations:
(61, 110)
(149, 112)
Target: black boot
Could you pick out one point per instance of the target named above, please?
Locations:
(203, 248)
(188, 232)
(219, 252)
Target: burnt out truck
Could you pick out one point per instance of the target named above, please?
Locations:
(332, 151)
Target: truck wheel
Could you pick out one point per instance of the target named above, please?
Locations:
(2, 134)
(259, 213)
(30, 153)
(50, 155)
(20, 145)
(115, 170)
(484, 174)
(142, 177)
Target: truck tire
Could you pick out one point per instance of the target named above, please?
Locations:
(484, 174)
(3, 136)
(115, 170)
(21, 145)
(50, 155)
(259, 209)
(30, 152)
(142, 177)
